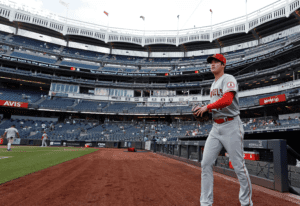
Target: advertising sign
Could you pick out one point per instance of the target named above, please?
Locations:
(17, 141)
(55, 143)
(13, 104)
(147, 145)
(272, 99)
(102, 145)
(73, 144)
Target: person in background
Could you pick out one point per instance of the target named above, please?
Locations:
(44, 138)
(11, 135)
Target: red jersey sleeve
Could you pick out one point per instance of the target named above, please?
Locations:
(225, 101)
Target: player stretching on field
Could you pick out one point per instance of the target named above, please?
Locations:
(227, 131)
(44, 138)
(11, 135)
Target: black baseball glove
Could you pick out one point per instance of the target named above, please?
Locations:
(194, 110)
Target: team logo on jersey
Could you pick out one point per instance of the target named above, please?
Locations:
(230, 85)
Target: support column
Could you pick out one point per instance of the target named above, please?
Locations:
(293, 75)
(17, 28)
(143, 41)
(187, 151)
(67, 41)
(179, 150)
(280, 164)
(199, 155)
(287, 9)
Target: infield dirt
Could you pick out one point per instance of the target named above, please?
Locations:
(114, 177)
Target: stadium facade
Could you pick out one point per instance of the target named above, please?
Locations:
(144, 83)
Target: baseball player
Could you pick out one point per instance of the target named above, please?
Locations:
(44, 138)
(227, 131)
(11, 135)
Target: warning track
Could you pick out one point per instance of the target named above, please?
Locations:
(114, 177)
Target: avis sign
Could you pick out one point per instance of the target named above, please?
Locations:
(273, 99)
(13, 104)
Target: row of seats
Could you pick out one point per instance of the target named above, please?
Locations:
(122, 131)
(79, 65)
(33, 57)
(89, 105)
(20, 95)
(27, 42)
(57, 103)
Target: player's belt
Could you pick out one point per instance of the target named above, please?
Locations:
(225, 119)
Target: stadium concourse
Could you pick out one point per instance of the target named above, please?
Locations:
(116, 87)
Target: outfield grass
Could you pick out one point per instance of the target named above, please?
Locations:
(24, 160)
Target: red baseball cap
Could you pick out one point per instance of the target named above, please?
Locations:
(219, 57)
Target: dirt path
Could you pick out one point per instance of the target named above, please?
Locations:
(114, 177)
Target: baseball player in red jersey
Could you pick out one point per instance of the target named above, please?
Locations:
(227, 131)
(44, 138)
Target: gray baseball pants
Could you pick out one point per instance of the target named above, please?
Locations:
(229, 134)
(44, 143)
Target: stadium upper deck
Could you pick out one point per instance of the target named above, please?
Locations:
(236, 34)
(29, 49)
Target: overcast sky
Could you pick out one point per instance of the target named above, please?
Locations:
(159, 14)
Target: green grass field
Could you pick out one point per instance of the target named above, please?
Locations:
(23, 160)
